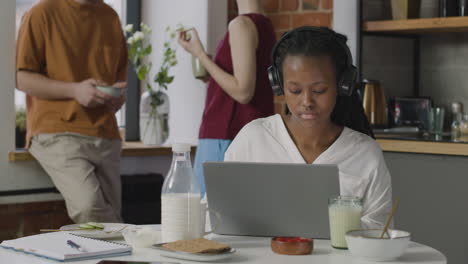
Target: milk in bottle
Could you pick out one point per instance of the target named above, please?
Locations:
(180, 198)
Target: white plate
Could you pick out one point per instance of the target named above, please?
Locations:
(110, 231)
(192, 256)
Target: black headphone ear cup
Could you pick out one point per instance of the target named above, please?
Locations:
(347, 81)
(275, 80)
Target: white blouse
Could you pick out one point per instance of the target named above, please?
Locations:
(362, 169)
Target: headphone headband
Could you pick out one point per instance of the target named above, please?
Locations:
(347, 79)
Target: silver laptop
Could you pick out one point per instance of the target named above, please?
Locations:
(270, 199)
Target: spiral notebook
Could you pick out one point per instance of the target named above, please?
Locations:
(54, 246)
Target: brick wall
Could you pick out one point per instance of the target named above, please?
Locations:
(288, 14)
(17, 220)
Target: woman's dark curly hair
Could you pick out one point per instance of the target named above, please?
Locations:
(348, 110)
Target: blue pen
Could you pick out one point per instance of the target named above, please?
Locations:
(75, 245)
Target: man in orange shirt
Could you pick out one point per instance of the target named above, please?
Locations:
(65, 49)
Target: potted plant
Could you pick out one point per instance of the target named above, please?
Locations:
(154, 104)
(20, 128)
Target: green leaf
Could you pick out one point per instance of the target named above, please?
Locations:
(158, 78)
(170, 79)
(142, 71)
(161, 77)
(148, 50)
(131, 52)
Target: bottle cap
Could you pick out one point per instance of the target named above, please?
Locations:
(180, 147)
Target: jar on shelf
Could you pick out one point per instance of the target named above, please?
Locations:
(457, 119)
(464, 126)
(462, 7)
(448, 8)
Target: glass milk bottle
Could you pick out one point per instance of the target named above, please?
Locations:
(180, 198)
(344, 213)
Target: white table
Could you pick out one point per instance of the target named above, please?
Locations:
(252, 250)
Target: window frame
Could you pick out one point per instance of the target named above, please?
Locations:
(132, 108)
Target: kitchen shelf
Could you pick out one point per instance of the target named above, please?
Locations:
(417, 26)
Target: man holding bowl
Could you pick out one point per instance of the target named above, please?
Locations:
(65, 49)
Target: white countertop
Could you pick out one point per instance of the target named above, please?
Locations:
(252, 250)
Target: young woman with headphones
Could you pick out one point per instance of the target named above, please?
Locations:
(325, 122)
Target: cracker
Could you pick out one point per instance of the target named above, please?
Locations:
(199, 245)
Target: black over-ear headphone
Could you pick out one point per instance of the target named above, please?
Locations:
(347, 79)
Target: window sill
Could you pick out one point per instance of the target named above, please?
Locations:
(129, 149)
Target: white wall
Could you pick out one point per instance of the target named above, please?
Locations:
(187, 95)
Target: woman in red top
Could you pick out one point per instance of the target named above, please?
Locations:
(238, 89)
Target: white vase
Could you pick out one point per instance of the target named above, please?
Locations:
(154, 128)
